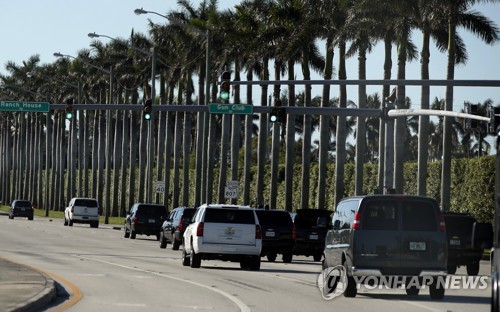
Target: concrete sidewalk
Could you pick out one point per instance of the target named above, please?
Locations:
(23, 288)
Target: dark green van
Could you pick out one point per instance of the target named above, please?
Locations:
(388, 235)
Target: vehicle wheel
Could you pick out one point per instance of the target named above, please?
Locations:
(271, 257)
(185, 258)
(65, 222)
(473, 269)
(30, 218)
(176, 244)
(70, 222)
(94, 225)
(11, 217)
(163, 241)
(495, 296)
(157, 237)
(127, 233)
(350, 290)
(132, 234)
(254, 263)
(412, 290)
(244, 264)
(287, 257)
(194, 259)
(452, 269)
(317, 257)
(436, 289)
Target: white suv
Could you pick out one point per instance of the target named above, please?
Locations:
(82, 210)
(223, 232)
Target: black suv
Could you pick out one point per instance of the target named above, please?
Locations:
(21, 208)
(311, 226)
(278, 234)
(387, 236)
(467, 240)
(145, 219)
(173, 228)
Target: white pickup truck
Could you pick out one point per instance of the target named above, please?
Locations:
(223, 232)
(82, 210)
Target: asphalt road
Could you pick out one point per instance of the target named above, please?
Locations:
(102, 271)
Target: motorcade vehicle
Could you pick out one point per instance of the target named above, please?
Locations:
(467, 240)
(21, 208)
(278, 234)
(145, 219)
(173, 228)
(389, 235)
(311, 226)
(223, 232)
(82, 210)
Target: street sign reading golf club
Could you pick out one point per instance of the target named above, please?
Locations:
(244, 109)
(15, 106)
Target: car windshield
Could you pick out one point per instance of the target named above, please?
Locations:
(86, 203)
(152, 210)
(216, 215)
(23, 203)
(267, 217)
(310, 218)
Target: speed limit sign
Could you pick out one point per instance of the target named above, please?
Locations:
(160, 187)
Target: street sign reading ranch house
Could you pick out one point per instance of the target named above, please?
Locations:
(15, 106)
(245, 109)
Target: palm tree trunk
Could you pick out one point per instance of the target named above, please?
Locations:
(235, 131)
(423, 129)
(262, 141)
(275, 143)
(400, 125)
(382, 125)
(306, 136)
(341, 128)
(361, 125)
(290, 142)
(248, 145)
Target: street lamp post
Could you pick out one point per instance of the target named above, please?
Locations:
(108, 132)
(150, 145)
(201, 142)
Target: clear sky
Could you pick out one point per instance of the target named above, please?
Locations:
(43, 27)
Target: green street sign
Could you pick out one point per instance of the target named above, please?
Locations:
(243, 109)
(15, 106)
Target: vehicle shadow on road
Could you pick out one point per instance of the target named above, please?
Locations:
(266, 270)
(426, 297)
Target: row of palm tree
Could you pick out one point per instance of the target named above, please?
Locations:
(247, 39)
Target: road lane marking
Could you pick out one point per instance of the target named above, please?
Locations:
(240, 304)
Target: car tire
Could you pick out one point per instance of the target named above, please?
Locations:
(412, 290)
(351, 289)
(452, 269)
(94, 225)
(127, 233)
(317, 257)
(11, 217)
(65, 222)
(244, 264)
(271, 257)
(163, 241)
(185, 258)
(158, 237)
(132, 234)
(254, 263)
(473, 268)
(30, 218)
(194, 259)
(175, 244)
(70, 222)
(495, 295)
(287, 257)
(436, 290)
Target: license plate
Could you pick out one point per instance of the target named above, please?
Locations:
(152, 220)
(23, 209)
(313, 236)
(270, 234)
(417, 246)
(454, 242)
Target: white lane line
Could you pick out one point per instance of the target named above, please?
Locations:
(240, 304)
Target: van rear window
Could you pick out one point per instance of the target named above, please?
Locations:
(229, 216)
(85, 203)
(152, 210)
(419, 216)
(380, 215)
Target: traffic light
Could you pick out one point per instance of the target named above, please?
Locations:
(494, 114)
(277, 113)
(473, 110)
(147, 109)
(224, 85)
(69, 108)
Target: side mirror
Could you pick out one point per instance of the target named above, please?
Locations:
(336, 225)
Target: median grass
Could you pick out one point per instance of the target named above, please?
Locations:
(60, 215)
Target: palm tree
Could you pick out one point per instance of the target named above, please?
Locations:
(459, 14)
